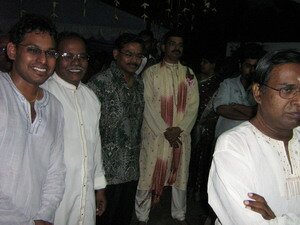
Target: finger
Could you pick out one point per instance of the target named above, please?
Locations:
(261, 202)
(256, 197)
(179, 141)
(260, 208)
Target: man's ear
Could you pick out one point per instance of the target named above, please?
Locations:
(256, 91)
(11, 51)
(115, 53)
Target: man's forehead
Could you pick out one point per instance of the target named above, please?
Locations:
(283, 73)
(132, 46)
(251, 61)
(175, 39)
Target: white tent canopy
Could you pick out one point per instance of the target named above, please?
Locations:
(91, 18)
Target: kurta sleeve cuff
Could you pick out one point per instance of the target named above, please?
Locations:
(100, 182)
(46, 214)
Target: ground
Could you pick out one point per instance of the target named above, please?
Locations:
(161, 215)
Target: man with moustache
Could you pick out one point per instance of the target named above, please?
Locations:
(85, 173)
(32, 169)
(171, 104)
(234, 102)
(255, 173)
(121, 96)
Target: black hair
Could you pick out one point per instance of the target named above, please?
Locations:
(127, 38)
(66, 35)
(29, 23)
(172, 33)
(251, 51)
(271, 60)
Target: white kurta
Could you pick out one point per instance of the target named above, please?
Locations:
(32, 170)
(82, 152)
(169, 83)
(246, 160)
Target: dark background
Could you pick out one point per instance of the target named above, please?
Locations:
(233, 20)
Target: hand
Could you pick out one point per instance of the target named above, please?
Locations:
(172, 134)
(100, 202)
(260, 206)
(42, 222)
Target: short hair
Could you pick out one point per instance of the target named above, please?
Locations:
(212, 56)
(271, 60)
(251, 51)
(29, 23)
(148, 33)
(66, 35)
(172, 33)
(4, 36)
(127, 38)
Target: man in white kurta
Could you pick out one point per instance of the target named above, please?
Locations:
(171, 101)
(83, 160)
(32, 166)
(262, 156)
(32, 169)
(246, 160)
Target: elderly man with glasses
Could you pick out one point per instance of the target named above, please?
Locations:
(85, 173)
(255, 173)
(121, 96)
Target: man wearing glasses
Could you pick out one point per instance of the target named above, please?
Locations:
(32, 169)
(5, 62)
(255, 173)
(234, 102)
(122, 104)
(83, 159)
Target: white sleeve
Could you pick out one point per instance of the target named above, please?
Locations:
(222, 97)
(99, 180)
(229, 182)
(54, 186)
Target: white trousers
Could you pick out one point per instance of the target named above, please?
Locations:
(143, 204)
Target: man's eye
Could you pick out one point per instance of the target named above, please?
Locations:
(83, 56)
(288, 89)
(67, 56)
(52, 53)
(33, 50)
(140, 56)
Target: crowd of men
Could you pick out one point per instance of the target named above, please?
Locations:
(71, 151)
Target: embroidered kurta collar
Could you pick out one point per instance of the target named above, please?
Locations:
(65, 83)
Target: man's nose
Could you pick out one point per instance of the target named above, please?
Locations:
(296, 98)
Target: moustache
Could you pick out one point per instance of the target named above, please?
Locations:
(133, 64)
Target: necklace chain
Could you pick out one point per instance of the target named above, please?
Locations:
(36, 96)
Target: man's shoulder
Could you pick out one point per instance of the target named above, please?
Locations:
(89, 93)
(235, 138)
(240, 131)
(100, 80)
(53, 102)
(231, 80)
(154, 67)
